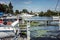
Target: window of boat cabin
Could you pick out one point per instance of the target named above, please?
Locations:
(1, 21)
(8, 21)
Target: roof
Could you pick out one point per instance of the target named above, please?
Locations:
(37, 18)
(26, 15)
(11, 17)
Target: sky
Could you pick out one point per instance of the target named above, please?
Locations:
(33, 5)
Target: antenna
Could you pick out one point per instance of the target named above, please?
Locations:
(56, 5)
(10, 0)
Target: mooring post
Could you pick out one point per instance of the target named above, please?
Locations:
(28, 30)
(59, 22)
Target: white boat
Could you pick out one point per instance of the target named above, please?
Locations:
(8, 31)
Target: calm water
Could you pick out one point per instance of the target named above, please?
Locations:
(38, 31)
(44, 28)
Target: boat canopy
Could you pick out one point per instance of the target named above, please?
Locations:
(37, 18)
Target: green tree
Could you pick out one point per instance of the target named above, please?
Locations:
(31, 12)
(10, 9)
(10, 5)
(41, 13)
(20, 12)
(3, 7)
(50, 13)
(17, 12)
(25, 11)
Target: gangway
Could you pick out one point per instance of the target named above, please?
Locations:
(46, 20)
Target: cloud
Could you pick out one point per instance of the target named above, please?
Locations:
(27, 2)
(1, 2)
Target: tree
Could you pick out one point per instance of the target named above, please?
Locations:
(17, 12)
(25, 11)
(10, 8)
(20, 12)
(10, 5)
(3, 7)
(48, 13)
(31, 12)
(6, 8)
(41, 13)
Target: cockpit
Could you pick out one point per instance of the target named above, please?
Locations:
(7, 21)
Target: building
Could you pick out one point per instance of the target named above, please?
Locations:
(25, 15)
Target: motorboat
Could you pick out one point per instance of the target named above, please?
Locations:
(9, 30)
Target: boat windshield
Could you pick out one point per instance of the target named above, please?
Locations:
(5, 26)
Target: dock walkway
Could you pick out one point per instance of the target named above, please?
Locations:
(12, 38)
